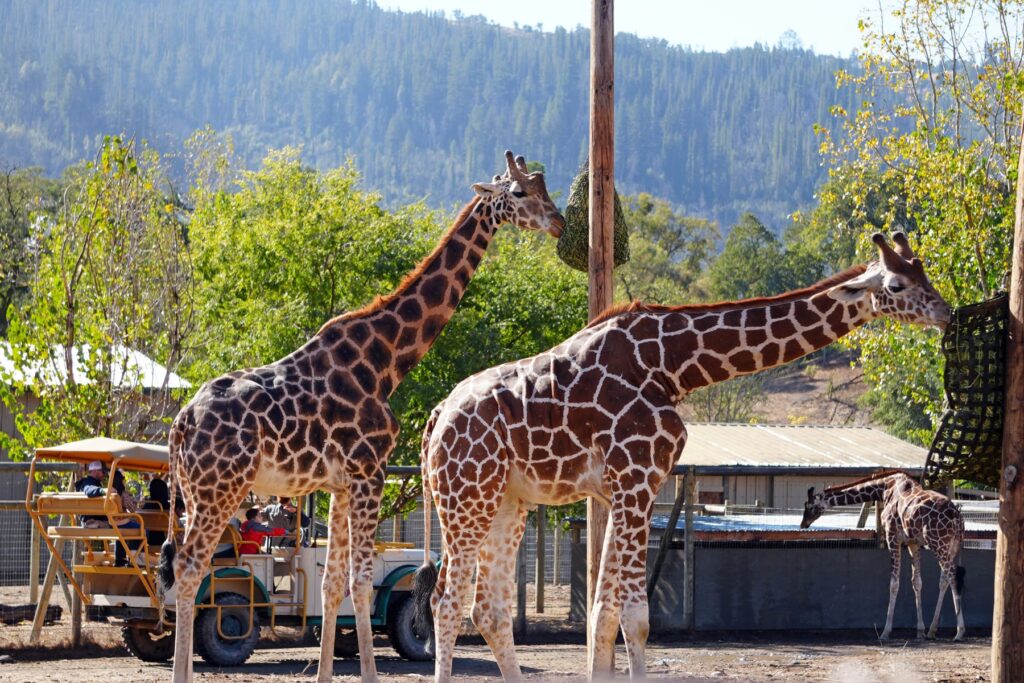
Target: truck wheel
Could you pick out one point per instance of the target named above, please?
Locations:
(147, 645)
(234, 621)
(346, 642)
(403, 635)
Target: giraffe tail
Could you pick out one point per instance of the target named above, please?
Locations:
(425, 579)
(165, 565)
(959, 582)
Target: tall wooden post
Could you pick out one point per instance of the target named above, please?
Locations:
(689, 551)
(602, 216)
(540, 575)
(1008, 608)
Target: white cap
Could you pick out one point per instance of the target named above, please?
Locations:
(95, 465)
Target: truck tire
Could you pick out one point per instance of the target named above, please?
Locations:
(402, 633)
(147, 645)
(234, 622)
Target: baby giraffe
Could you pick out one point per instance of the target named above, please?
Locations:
(911, 516)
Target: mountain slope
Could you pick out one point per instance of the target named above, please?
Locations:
(423, 105)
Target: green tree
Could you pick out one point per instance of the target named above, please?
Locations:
(749, 265)
(669, 251)
(113, 277)
(938, 134)
(24, 194)
(292, 247)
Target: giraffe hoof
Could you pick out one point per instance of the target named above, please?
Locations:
(884, 636)
(922, 636)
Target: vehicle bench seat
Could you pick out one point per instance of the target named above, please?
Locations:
(100, 534)
(54, 504)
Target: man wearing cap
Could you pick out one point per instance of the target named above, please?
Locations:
(92, 486)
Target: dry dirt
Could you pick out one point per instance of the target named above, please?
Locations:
(553, 651)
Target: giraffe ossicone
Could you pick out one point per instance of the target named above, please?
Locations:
(319, 418)
(912, 516)
(598, 416)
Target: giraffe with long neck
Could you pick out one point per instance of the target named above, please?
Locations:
(911, 516)
(598, 415)
(319, 418)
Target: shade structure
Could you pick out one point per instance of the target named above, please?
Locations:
(128, 454)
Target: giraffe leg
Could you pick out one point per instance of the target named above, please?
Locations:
(947, 579)
(635, 618)
(945, 576)
(961, 629)
(335, 580)
(894, 586)
(191, 564)
(915, 581)
(456, 574)
(495, 580)
(605, 612)
(365, 505)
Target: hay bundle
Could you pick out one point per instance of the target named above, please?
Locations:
(574, 244)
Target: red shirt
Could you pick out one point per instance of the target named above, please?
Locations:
(253, 534)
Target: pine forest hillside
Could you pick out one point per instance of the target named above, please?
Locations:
(422, 103)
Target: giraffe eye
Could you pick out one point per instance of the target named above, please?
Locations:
(516, 190)
(896, 289)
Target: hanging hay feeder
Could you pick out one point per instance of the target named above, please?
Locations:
(574, 244)
(969, 441)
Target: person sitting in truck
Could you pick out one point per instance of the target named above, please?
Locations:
(281, 515)
(159, 499)
(254, 531)
(92, 486)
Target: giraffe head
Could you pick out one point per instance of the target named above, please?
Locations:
(813, 508)
(896, 285)
(521, 198)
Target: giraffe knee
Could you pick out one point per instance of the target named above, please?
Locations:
(635, 621)
(482, 617)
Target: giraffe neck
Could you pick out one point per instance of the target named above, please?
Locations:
(393, 333)
(704, 345)
(858, 493)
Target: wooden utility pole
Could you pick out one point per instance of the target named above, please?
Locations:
(602, 216)
(1008, 610)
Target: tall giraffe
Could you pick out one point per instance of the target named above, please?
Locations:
(911, 516)
(598, 415)
(319, 418)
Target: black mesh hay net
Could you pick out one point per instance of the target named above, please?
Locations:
(968, 443)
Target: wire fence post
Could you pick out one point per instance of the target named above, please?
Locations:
(541, 574)
(76, 606)
(33, 565)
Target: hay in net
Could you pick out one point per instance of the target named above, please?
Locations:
(574, 244)
(969, 441)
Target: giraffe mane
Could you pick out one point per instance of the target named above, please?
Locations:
(637, 306)
(874, 477)
(384, 299)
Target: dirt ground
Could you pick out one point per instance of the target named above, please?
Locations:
(766, 659)
(554, 650)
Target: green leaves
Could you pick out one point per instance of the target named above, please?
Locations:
(112, 276)
(933, 151)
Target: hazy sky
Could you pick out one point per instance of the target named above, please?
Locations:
(827, 26)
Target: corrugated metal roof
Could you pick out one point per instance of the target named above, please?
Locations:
(739, 445)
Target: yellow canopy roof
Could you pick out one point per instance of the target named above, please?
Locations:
(129, 455)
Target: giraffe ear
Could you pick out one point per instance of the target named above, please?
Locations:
(855, 289)
(810, 495)
(485, 189)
